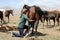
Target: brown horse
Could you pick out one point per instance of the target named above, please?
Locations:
(34, 14)
(7, 13)
(54, 15)
(57, 15)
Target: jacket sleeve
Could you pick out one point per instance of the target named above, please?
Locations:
(27, 18)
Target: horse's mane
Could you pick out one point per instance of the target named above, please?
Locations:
(45, 12)
(26, 6)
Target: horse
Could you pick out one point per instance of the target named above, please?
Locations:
(1, 15)
(34, 14)
(7, 13)
(54, 15)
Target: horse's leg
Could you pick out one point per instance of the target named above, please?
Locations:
(57, 18)
(32, 27)
(8, 19)
(1, 22)
(32, 30)
(47, 21)
(43, 19)
(58, 21)
(29, 26)
(54, 21)
(36, 25)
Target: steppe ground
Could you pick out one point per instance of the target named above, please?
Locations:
(44, 33)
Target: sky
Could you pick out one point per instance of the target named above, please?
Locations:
(20, 3)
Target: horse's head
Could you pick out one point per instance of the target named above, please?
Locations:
(11, 11)
(26, 7)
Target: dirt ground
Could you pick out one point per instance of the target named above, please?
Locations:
(44, 33)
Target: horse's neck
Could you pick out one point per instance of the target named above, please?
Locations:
(32, 16)
(8, 13)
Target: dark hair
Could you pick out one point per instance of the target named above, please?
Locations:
(25, 11)
(26, 6)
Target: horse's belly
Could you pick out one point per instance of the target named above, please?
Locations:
(32, 17)
(6, 15)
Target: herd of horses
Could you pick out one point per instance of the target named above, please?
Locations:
(36, 13)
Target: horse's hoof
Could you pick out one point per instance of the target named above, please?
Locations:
(26, 36)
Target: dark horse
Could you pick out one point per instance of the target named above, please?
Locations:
(1, 15)
(34, 14)
(7, 13)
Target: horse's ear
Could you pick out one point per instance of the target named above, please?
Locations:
(25, 5)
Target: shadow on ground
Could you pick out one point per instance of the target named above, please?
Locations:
(58, 29)
(37, 34)
(49, 26)
(34, 39)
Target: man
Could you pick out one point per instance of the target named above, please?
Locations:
(21, 25)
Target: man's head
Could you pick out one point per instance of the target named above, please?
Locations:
(25, 11)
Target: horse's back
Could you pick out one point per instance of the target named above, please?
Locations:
(53, 13)
(7, 12)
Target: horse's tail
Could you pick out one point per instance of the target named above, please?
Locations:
(41, 13)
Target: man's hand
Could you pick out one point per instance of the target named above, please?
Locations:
(31, 20)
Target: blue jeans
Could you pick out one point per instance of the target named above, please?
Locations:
(21, 30)
(20, 33)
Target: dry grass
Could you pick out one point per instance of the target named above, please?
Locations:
(44, 32)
